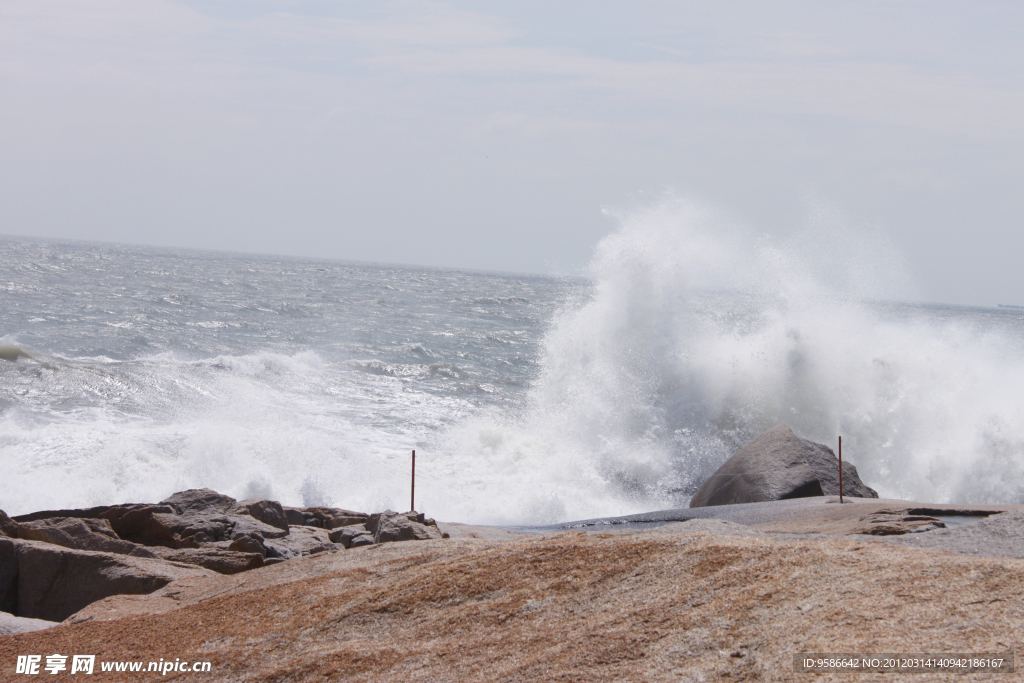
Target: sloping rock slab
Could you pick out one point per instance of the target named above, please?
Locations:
(779, 465)
(53, 582)
(81, 534)
(216, 559)
(11, 624)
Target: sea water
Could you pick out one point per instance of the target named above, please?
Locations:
(130, 372)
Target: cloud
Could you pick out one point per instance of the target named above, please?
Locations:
(215, 123)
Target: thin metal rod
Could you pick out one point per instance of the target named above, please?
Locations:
(412, 495)
(840, 469)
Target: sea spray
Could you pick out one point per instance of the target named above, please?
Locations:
(528, 399)
(700, 335)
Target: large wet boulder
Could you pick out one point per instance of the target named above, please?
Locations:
(778, 465)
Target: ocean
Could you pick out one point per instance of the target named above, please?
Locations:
(132, 372)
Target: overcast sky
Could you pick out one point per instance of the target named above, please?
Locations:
(492, 134)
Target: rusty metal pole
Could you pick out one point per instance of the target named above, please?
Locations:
(412, 495)
(840, 469)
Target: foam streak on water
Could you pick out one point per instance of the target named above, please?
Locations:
(129, 373)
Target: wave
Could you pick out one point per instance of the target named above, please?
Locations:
(700, 334)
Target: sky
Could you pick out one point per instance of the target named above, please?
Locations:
(508, 135)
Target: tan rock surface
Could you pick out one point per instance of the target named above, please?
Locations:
(669, 605)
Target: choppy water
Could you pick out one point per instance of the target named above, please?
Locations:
(132, 372)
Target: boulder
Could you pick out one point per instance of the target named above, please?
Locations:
(80, 533)
(778, 465)
(390, 526)
(351, 536)
(145, 524)
(10, 624)
(248, 526)
(300, 517)
(267, 511)
(46, 581)
(204, 502)
(215, 559)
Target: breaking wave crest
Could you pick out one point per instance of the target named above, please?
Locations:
(699, 335)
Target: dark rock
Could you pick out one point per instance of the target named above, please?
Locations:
(145, 524)
(203, 501)
(80, 533)
(248, 526)
(299, 517)
(87, 513)
(8, 527)
(53, 582)
(8, 575)
(390, 526)
(778, 465)
(215, 559)
(267, 511)
(346, 535)
(361, 540)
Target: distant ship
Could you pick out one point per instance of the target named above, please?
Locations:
(1009, 306)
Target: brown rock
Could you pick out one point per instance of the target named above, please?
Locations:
(572, 607)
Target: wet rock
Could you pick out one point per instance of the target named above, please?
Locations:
(80, 533)
(52, 582)
(779, 465)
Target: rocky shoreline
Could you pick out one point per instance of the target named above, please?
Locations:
(702, 599)
(54, 563)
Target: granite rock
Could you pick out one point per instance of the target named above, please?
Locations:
(779, 465)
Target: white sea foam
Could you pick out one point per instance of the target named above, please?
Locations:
(699, 336)
(695, 335)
